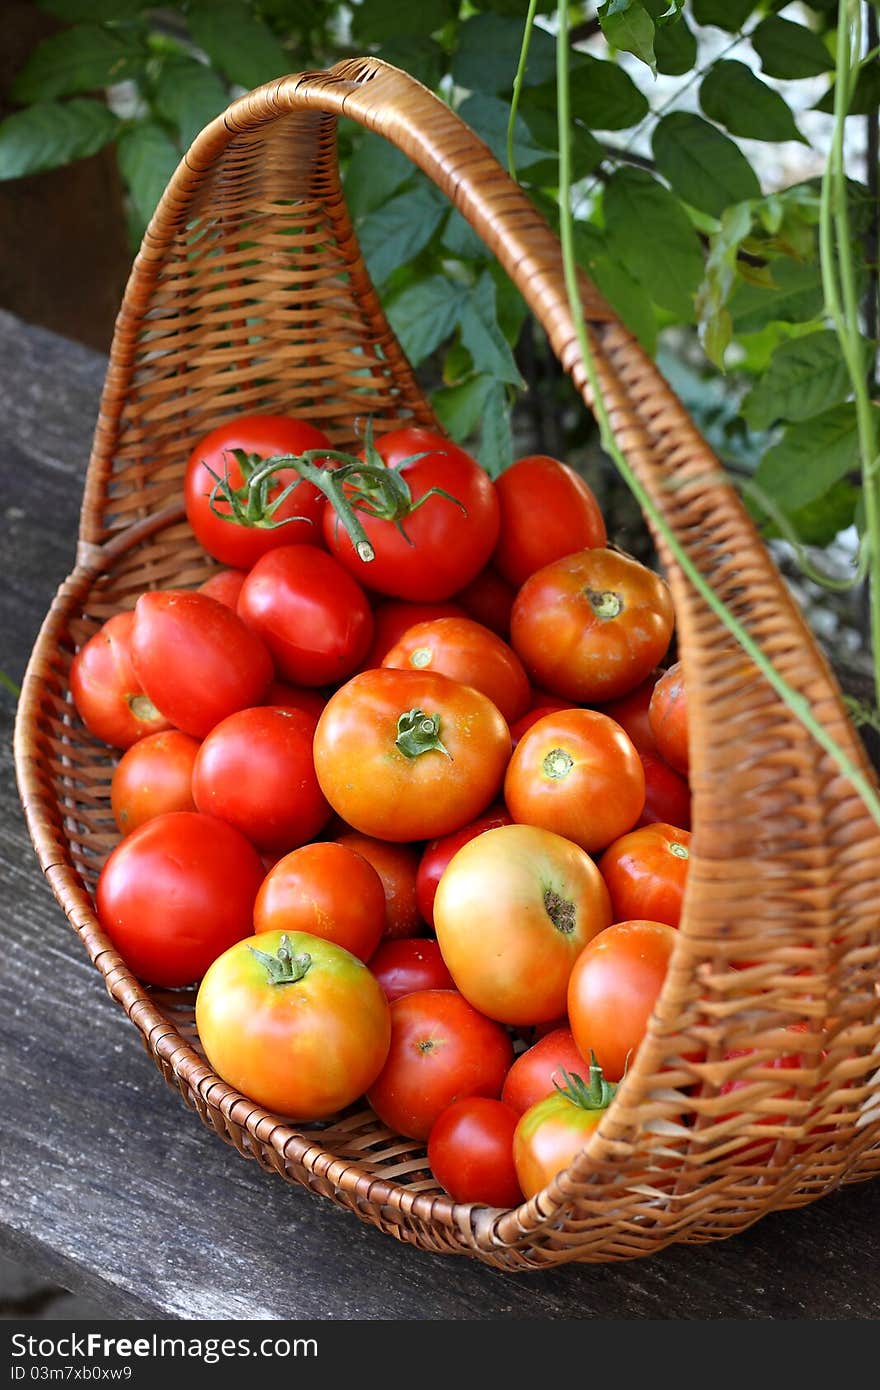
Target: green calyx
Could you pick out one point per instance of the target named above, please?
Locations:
(282, 966)
(595, 1094)
(418, 733)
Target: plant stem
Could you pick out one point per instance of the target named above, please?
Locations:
(517, 84)
(794, 701)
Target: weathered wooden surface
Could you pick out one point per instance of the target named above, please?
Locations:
(109, 1186)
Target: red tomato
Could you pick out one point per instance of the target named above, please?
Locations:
(287, 696)
(631, 713)
(408, 964)
(241, 543)
(441, 1049)
(175, 893)
(196, 659)
(470, 1150)
(294, 1022)
(514, 909)
(328, 890)
(393, 616)
(224, 586)
(576, 772)
(313, 617)
(467, 652)
(613, 988)
(547, 511)
(556, 1129)
(531, 716)
(539, 1070)
(255, 770)
(437, 854)
(646, 872)
(591, 626)
(488, 599)
(107, 693)
(409, 755)
(152, 777)
(667, 795)
(446, 543)
(668, 717)
(396, 866)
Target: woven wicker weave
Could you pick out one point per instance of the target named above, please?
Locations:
(250, 293)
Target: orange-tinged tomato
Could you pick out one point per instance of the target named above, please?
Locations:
(328, 890)
(630, 711)
(468, 652)
(553, 1131)
(397, 866)
(667, 713)
(576, 772)
(513, 910)
(646, 872)
(153, 776)
(667, 794)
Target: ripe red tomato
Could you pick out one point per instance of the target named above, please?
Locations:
(514, 909)
(107, 693)
(556, 1129)
(441, 1050)
(241, 543)
(392, 617)
(175, 893)
(328, 890)
(539, 1070)
(152, 777)
(668, 717)
(667, 795)
(646, 872)
(196, 659)
(547, 511)
(470, 1150)
(488, 599)
(631, 713)
(224, 586)
(446, 543)
(255, 770)
(467, 652)
(576, 772)
(294, 1022)
(409, 755)
(613, 988)
(591, 626)
(396, 865)
(751, 1081)
(287, 696)
(313, 617)
(408, 964)
(437, 854)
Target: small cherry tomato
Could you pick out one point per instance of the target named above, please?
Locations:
(408, 964)
(646, 872)
(576, 772)
(327, 890)
(106, 690)
(539, 1070)
(668, 717)
(437, 854)
(667, 794)
(547, 511)
(470, 1150)
(441, 1050)
(152, 777)
(465, 651)
(397, 866)
(553, 1131)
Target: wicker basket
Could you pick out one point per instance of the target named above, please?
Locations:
(250, 292)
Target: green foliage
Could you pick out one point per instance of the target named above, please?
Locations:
(671, 220)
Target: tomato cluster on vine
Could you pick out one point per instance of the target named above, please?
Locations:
(402, 791)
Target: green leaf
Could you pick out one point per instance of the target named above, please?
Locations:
(388, 19)
(237, 42)
(713, 316)
(488, 116)
(461, 241)
(675, 48)
(481, 335)
(790, 50)
(603, 95)
(811, 456)
(706, 169)
(651, 234)
(488, 53)
(866, 96)
(586, 152)
(627, 298)
(79, 60)
(51, 133)
(726, 14)
(375, 171)
(820, 521)
(417, 54)
(93, 11)
(734, 97)
(805, 376)
(627, 26)
(424, 314)
(398, 230)
(496, 441)
(795, 295)
(189, 95)
(460, 408)
(147, 160)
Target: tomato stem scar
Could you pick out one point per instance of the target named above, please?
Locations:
(605, 603)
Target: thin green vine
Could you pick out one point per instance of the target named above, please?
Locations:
(793, 700)
(517, 85)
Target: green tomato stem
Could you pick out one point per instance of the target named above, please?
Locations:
(282, 966)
